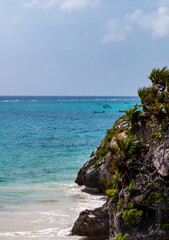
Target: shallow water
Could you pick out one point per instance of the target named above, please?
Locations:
(44, 141)
(51, 217)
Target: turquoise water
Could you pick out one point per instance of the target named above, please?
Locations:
(48, 139)
(44, 141)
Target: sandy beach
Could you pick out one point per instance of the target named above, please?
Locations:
(48, 218)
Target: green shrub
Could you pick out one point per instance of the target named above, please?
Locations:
(112, 183)
(111, 193)
(150, 186)
(102, 151)
(165, 226)
(153, 136)
(130, 186)
(155, 99)
(120, 203)
(133, 115)
(124, 151)
(120, 236)
(155, 197)
(132, 216)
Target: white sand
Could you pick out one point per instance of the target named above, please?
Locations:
(50, 218)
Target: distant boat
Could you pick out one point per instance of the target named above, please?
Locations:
(106, 106)
(99, 112)
(121, 111)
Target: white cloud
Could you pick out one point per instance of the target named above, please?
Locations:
(157, 21)
(116, 31)
(31, 4)
(67, 5)
(41, 3)
(78, 4)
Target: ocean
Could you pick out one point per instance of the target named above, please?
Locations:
(44, 141)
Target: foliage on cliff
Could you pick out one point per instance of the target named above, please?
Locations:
(155, 99)
(131, 165)
(144, 181)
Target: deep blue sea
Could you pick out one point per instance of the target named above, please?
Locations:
(44, 141)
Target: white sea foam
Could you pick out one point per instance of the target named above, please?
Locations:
(15, 100)
(72, 100)
(89, 100)
(48, 220)
(64, 232)
(106, 99)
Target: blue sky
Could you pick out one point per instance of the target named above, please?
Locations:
(81, 47)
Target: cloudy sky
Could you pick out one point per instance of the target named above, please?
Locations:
(81, 47)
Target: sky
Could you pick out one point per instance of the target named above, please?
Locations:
(81, 47)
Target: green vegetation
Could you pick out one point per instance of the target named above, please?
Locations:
(111, 193)
(155, 99)
(120, 204)
(129, 205)
(133, 115)
(130, 186)
(113, 182)
(102, 152)
(155, 197)
(132, 216)
(130, 148)
(154, 135)
(112, 132)
(120, 236)
(150, 186)
(124, 151)
(165, 226)
(155, 105)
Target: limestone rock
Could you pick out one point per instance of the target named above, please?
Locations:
(140, 205)
(92, 223)
(159, 163)
(95, 173)
(94, 177)
(120, 136)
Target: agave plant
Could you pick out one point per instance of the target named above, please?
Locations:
(155, 99)
(133, 114)
(160, 76)
(125, 151)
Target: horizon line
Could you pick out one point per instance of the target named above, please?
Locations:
(69, 96)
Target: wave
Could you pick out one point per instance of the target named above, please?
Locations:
(49, 233)
(107, 99)
(87, 99)
(17, 100)
(7, 100)
(62, 214)
(96, 99)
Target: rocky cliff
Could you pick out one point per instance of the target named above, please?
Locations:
(131, 166)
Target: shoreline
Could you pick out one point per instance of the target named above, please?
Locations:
(49, 218)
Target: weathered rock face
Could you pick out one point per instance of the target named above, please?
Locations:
(95, 173)
(119, 137)
(134, 173)
(161, 160)
(148, 227)
(93, 223)
(94, 176)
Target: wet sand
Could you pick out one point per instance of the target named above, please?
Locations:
(48, 218)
